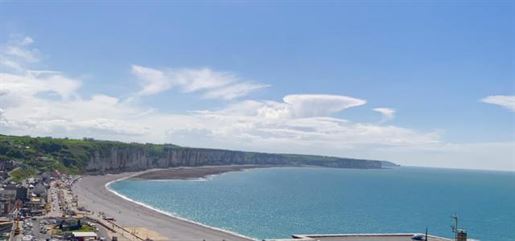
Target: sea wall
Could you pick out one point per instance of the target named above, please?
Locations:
(118, 159)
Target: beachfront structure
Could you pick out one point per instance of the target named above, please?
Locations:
(358, 237)
(84, 236)
(461, 235)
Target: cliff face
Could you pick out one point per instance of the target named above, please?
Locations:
(41, 154)
(134, 159)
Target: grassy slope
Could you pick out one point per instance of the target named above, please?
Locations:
(39, 154)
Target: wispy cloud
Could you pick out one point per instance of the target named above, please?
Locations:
(320, 105)
(305, 121)
(233, 91)
(505, 101)
(388, 113)
(293, 106)
(209, 83)
(298, 120)
(299, 123)
(17, 52)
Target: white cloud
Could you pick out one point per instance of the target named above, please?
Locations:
(305, 120)
(233, 91)
(46, 103)
(388, 113)
(152, 81)
(21, 53)
(298, 123)
(320, 105)
(30, 83)
(26, 41)
(294, 106)
(17, 52)
(506, 101)
(211, 84)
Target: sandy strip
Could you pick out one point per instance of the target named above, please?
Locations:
(94, 196)
(186, 173)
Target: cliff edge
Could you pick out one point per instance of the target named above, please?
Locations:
(39, 154)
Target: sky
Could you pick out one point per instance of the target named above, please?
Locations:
(422, 83)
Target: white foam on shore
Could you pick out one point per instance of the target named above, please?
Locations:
(195, 179)
(198, 179)
(108, 184)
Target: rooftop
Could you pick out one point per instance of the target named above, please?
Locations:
(84, 234)
(357, 237)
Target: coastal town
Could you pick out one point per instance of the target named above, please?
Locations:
(43, 208)
(257, 120)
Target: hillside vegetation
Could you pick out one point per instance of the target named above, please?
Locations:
(40, 154)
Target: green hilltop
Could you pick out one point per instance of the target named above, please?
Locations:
(40, 154)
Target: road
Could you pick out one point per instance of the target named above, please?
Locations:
(36, 230)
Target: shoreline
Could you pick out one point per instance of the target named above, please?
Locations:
(107, 186)
(95, 194)
(191, 173)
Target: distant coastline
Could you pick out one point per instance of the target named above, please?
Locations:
(90, 156)
(186, 173)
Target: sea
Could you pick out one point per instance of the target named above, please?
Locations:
(278, 202)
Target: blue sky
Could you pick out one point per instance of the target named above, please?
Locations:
(429, 64)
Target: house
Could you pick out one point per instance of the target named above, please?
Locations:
(70, 224)
(7, 199)
(22, 193)
(36, 206)
(7, 165)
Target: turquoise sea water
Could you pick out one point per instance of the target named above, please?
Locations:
(278, 202)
